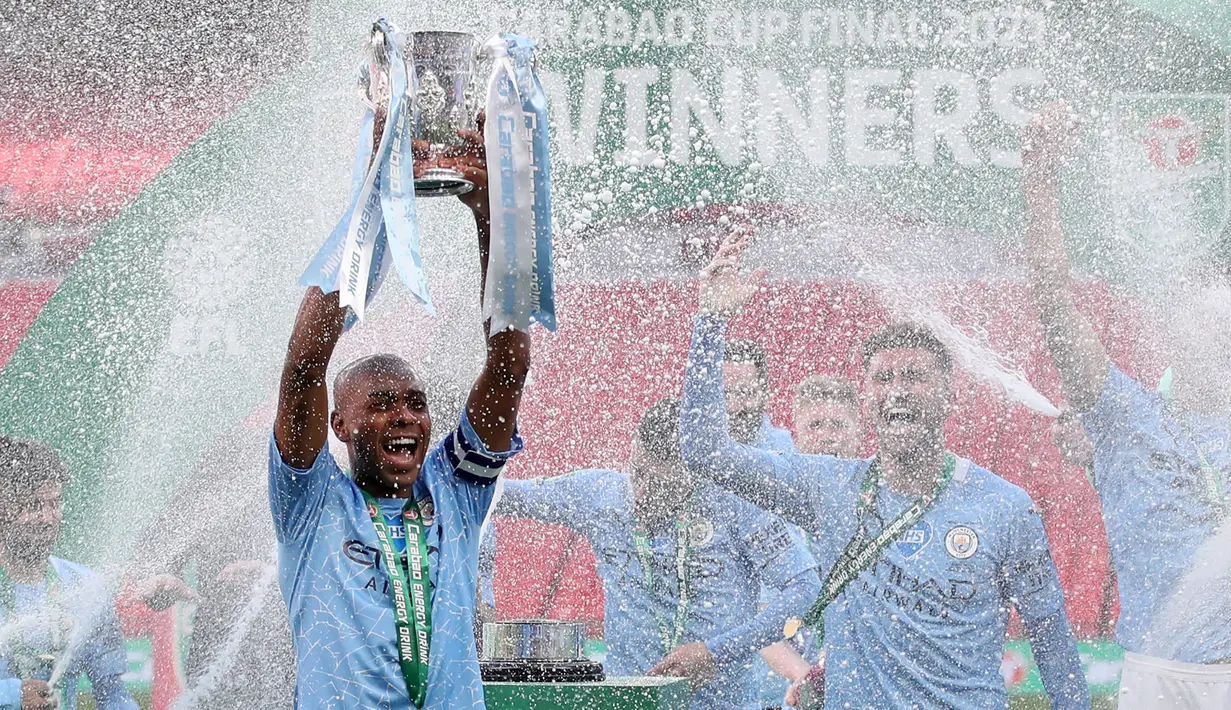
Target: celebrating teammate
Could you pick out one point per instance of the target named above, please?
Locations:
(1159, 466)
(378, 567)
(826, 417)
(925, 552)
(747, 398)
(45, 600)
(681, 562)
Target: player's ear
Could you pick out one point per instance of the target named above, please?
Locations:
(339, 426)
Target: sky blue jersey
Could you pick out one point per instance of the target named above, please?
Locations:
(734, 547)
(924, 626)
(774, 686)
(1158, 510)
(336, 588)
(101, 656)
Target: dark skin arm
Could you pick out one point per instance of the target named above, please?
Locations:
(496, 394)
(302, 424)
(1080, 359)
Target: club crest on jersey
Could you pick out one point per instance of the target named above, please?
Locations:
(915, 539)
(428, 509)
(961, 542)
(700, 532)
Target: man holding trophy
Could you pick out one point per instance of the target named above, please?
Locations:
(378, 567)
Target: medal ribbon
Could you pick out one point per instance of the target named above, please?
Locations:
(1211, 477)
(641, 543)
(410, 588)
(381, 220)
(861, 553)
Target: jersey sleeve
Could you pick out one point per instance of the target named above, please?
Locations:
(470, 469)
(106, 664)
(1027, 573)
(1123, 402)
(487, 564)
(567, 500)
(786, 485)
(470, 459)
(297, 496)
(780, 558)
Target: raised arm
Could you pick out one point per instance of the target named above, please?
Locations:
(760, 477)
(496, 394)
(302, 424)
(1080, 359)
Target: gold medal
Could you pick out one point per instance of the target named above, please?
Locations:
(791, 627)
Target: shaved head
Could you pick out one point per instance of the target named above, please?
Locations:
(386, 364)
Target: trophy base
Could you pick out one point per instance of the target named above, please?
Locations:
(441, 182)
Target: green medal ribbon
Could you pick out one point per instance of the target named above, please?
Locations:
(410, 587)
(861, 553)
(641, 543)
(1212, 480)
(1211, 477)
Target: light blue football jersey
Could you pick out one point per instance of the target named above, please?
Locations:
(774, 686)
(101, 656)
(735, 547)
(1158, 512)
(336, 589)
(923, 627)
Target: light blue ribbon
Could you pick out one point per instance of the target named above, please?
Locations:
(394, 222)
(520, 280)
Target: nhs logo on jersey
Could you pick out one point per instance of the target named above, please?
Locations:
(915, 539)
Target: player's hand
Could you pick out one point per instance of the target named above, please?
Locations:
(37, 695)
(1050, 136)
(162, 591)
(692, 661)
(470, 159)
(792, 693)
(723, 292)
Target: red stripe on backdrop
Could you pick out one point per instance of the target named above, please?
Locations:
(74, 180)
(20, 303)
(620, 348)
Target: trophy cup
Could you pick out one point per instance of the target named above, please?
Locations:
(447, 100)
(425, 87)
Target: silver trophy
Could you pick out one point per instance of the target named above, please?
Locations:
(447, 101)
(449, 95)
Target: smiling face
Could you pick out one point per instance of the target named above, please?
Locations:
(382, 416)
(906, 399)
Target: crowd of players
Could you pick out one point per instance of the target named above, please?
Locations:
(884, 582)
